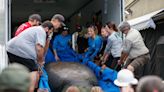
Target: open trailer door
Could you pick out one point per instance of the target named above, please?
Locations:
(113, 11)
(4, 31)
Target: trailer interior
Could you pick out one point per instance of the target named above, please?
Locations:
(75, 11)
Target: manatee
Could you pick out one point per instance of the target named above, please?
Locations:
(61, 75)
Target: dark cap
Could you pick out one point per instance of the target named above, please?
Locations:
(35, 17)
(60, 18)
(64, 28)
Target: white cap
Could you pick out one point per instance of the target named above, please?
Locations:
(125, 78)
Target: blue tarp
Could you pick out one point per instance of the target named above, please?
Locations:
(49, 56)
(43, 82)
(105, 76)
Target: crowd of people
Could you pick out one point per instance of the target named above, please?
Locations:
(35, 44)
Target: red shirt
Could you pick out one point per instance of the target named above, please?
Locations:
(22, 27)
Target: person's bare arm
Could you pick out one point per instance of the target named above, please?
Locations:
(127, 45)
(105, 58)
(56, 56)
(123, 57)
(40, 54)
(46, 46)
(107, 50)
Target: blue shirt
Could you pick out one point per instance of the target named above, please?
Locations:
(61, 43)
(94, 47)
(63, 49)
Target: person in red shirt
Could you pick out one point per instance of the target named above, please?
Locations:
(34, 20)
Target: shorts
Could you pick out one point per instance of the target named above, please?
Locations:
(138, 61)
(29, 63)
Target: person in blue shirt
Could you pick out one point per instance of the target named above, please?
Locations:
(61, 47)
(94, 43)
(58, 21)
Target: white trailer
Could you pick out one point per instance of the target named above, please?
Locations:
(4, 31)
(15, 12)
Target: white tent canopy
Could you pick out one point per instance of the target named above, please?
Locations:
(145, 21)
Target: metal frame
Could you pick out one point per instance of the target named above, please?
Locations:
(4, 59)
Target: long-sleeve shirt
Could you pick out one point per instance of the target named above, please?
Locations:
(63, 49)
(61, 43)
(94, 47)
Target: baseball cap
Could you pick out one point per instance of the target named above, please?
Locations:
(35, 16)
(60, 18)
(16, 77)
(65, 28)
